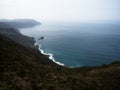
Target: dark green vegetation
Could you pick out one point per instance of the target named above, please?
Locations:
(15, 35)
(25, 68)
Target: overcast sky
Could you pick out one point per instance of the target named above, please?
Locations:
(61, 10)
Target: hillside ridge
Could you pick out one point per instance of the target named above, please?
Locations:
(24, 68)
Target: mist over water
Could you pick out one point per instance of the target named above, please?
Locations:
(79, 44)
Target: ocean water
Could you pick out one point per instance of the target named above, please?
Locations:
(78, 44)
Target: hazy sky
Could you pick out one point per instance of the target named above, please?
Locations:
(61, 10)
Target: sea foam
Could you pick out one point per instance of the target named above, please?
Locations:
(50, 55)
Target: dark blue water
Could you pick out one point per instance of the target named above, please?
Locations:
(79, 44)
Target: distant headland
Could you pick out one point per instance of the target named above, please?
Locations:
(21, 23)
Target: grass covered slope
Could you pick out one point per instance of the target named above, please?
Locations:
(14, 34)
(9, 28)
(21, 67)
(24, 68)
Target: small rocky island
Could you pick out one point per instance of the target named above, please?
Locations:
(23, 67)
(41, 38)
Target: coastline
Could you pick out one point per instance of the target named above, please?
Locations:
(26, 66)
(53, 53)
(50, 55)
(37, 46)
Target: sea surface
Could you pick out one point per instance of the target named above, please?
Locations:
(78, 44)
